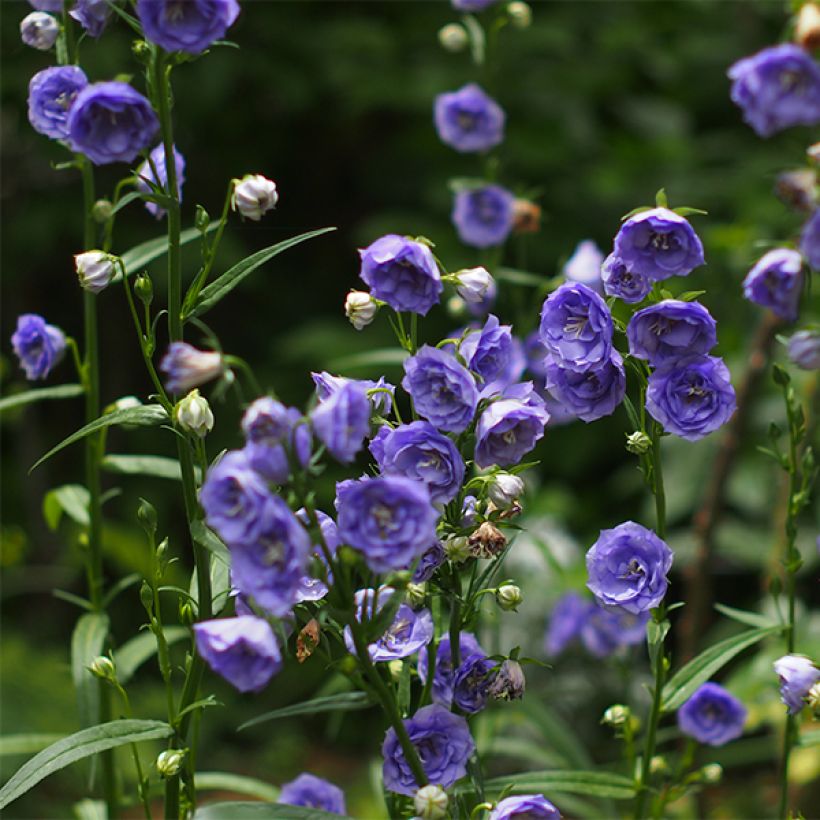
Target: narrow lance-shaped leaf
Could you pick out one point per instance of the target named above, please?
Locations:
(262, 811)
(26, 744)
(210, 540)
(136, 651)
(143, 254)
(228, 782)
(87, 643)
(593, 784)
(344, 702)
(60, 391)
(155, 466)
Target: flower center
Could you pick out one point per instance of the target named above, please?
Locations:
(175, 11)
(664, 241)
(274, 553)
(662, 325)
(633, 569)
(575, 324)
(509, 436)
(384, 519)
(465, 120)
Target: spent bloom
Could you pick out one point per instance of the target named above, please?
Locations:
(584, 265)
(189, 26)
(92, 15)
(51, 94)
(670, 330)
(508, 429)
(474, 285)
(314, 793)
(810, 240)
(804, 349)
(146, 177)
(360, 308)
(618, 280)
(627, 567)
(525, 806)
(111, 122)
(445, 745)
(712, 715)
(401, 272)
(95, 270)
(468, 120)
(442, 688)
(187, 367)
(242, 650)
(775, 282)
(777, 88)
(657, 244)
(253, 196)
(590, 394)
(483, 216)
(691, 397)
(193, 414)
(342, 421)
(797, 675)
(472, 682)
(38, 345)
(508, 682)
(39, 30)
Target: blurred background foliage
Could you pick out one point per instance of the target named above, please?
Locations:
(606, 102)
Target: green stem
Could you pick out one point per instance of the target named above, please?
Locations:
(657, 482)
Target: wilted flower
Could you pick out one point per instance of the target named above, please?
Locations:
(525, 806)
(483, 216)
(242, 650)
(804, 349)
(810, 240)
(712, 715)
(775, 282)
(38, 346)
(487, 541)
(430, 803)
(95, 270)
(39, 30)
(145, 175)
(807, 29)
(797, 189)
(472, 681)
(627, 567)
(671, 330)
(474, 284)
(505, 489)
(51, 94)
(92, 15)
(360, 308)
(623, 283)
(342, 421)
(590, 394)
(453, 37)
(508, 429)
(193, 414)
(508, 682)
(186, 367)
(253, 196)
(584, 265)
(468, 120)
(189, 26)
(444, 741)
(797, 675)
(442, 687)
(526, 216)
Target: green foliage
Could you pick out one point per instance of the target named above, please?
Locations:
(262, 811)
(88, 643)
(595, 784)
(61, 391)
(343, 702)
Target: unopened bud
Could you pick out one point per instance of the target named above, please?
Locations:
(813, 152)
(505, 489)
(616, 715)
(509, 597)
(712, 773)
(170, 762)
(526, 216)
(807, 30)
(474, 285)
(144, 288)
(487, 541)
(395, 668)
(39, 30)
(95, 270)
(456, 307)
(103, 668)
(638, 443)
(141, 50)
(186, 614)
(520, 14)
(147, 597)
(102, 211)
(202, 219)
(430, 803)
(457, 548)
(509, 682)
(193, 414)
(797, 189)
(813, 698)
(416, 594)
(658, 764)
(360, 308)
(453, 37)
(147, 516)
(254, 195)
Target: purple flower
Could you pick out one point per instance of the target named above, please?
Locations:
(430, 561)
(493, 353)
(712, 715)
(607, 630)
(472, 682)
(566, 621)
(38, 346)
(468, 120)
(627, 567)
(443, 391)
(342, 421)
(691, 397)
(271, 431)
(671, 330)
(576, 327)
(777, 88)
(242, 650)
(401, 272)
(797, 675)
(625, 284)
(145, 175)
(775, 282)
(92, 15)
(111, 122)
(51, 94)
(536, 354)
(410, 630)
(810, 240)
(483, 216)
(508, 429)
(187, 367)
(186, 25)
(314, 793)
(443, 742)
(419, 451)
(54, 6)
(584, 265)
(382, 400)
(471, 5)
(525, 806)
(591, 394)
(658, 244)
(804, 349)
(391, 520)
(443, 677)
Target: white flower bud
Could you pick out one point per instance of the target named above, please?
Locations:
(416, 594)
(193, 414)
(616, 715)
(712, 773)
(126, 403)
(254, 195)
(39, 30)
(509, 597)
(103, 668)
(360, 308)
(457, 548)
(395, 668)
(505, 489)
(474, 284)
(169, 762)
(453, 37)
(95, 270)
(520, 14)
(638, 443)
(658, 764)
(430, 803)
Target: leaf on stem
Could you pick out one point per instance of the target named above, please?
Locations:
(594, 784)
(87, 643)
(343, 702)
(134, 652)
(262, 811)
(143, 254)
(60, 391)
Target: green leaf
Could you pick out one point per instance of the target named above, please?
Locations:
(25, 744)
(521, 277)
(223, 285)
(87, 643)
(140, 255)
(343, 702)
(126, 200)
(147, 415)
(635, 212)
(220, 584)
(744, 617)
(477, 38)
(61, 391)
(685, 211)
(78, 746)
(134, 652)
(593, 784)
(809, 738)
(556, 733)
(385, 356)
(155, 466)
(661, 199)
(532, 752)
(227, 782)
(684, 682)
(262, 811)
(210, 540)
(71, 499)
(690, 295)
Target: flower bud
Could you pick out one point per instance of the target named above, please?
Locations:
(395, 668)
(520, 14)
(487, 541)
(813, 699)
(616, 715)
(712, 773)
(453, 37)
(509, 682)
(457, 548)
(147, 516)
(807, 30)
(813, 152)
(526, 216)
(124, 403)
(474, 284)
(186, 614)
(170, 761)
(39, 30)
(658, 764)
(141, 50)
(797, 189)
(804, 349)
(187, 367)
(505, 489)
(416, 594)
(202, 219)
(638, 443)
(360, 308)
(144, 288)
(103, 668)
(430, 803)
(95, 270)
(456, 307)
(102, 211)
(147, 597)
(253, 196)
(509, 597)
(193, 414)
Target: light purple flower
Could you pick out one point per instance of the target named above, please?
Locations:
(623, 283)
(565, 623)
(607, 630)
(190, 25)
(584, 265)
(591, 394)
(342, 421)
(444, 744)
(810, 240)
(242, 650)
(671, 330)
(472, 682)
(468, 120)
(472, 5)
(273, 433)
(38, 345)
(775, 282)
(627, 567)
(797, 675)
(483, 216)
(508, 429)
(54, 6)
(381, 400)
(51, 94)
(430, 561)
(187, 367)
(493, 354)
(712, 715)
(443, 677)
(145, 175)
(314, 793)
(804, 349)
(92, 15)
(526, 807)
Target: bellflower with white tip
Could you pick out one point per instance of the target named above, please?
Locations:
(474, 285)
(360, 308)
(38, 345)
(187, 367)
(775, 282)
(39, 30)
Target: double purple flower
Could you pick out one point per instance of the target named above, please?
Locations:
(468, 120)
(51, 95)
(190, 26)
(712, 715)
(510, 427)
(493, 353)
(589, 395)
(38, 345)
(671, 330)
(472, 682)
(775, 282)
(620, 281)
(443, 676)
(313, 793)
(483, 216)
(797, 675)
